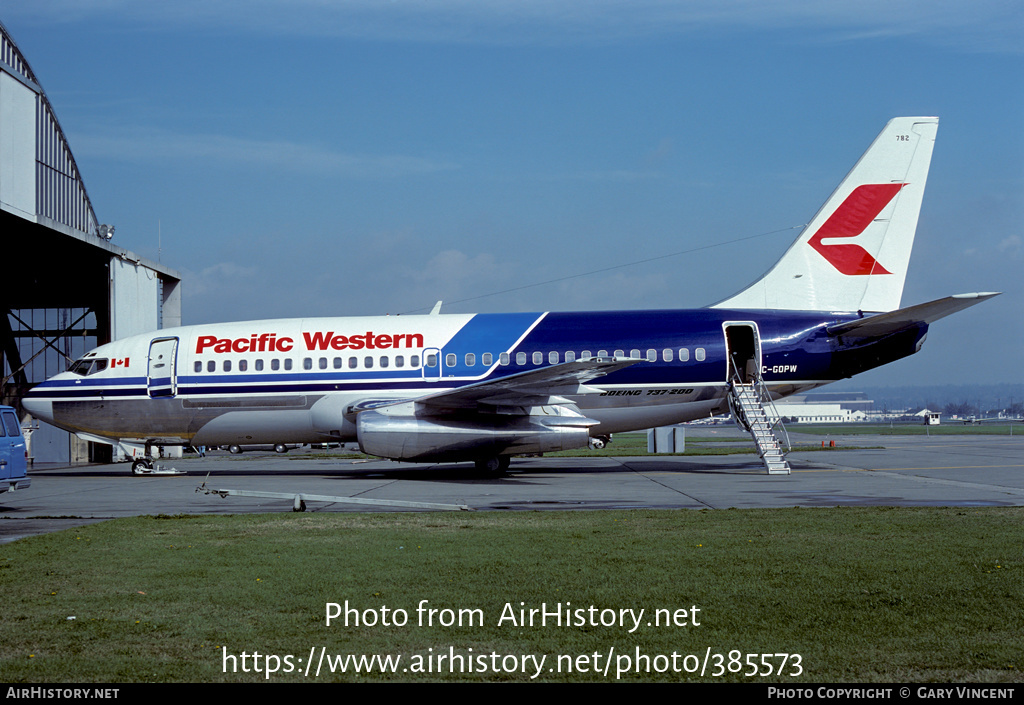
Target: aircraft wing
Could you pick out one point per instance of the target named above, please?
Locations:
(893, 321)
(539, 387)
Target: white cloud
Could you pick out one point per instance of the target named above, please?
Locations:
(986, 25)
(149, 145)
(1010, 245)
(218, 277)
(451, 275)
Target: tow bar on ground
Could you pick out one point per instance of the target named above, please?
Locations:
(299, 499)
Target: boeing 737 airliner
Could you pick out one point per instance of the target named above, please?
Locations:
(486, 387)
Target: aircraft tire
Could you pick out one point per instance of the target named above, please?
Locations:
(234, 449)
(280, 448)
(142, 467)
(495, 465)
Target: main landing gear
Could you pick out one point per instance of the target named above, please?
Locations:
(495, 465)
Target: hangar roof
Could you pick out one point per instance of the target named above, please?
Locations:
(60, 201)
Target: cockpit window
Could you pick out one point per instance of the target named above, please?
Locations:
(88, 367)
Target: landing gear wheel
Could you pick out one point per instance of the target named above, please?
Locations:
(280, 448)
(142, 467)
(496, 465)
(234, 449)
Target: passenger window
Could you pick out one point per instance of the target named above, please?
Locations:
(666, 355)
(259, 365)
(338, 363)
(414, 361)
(684, 354)
(384, 361)
(585, 355)
(652, 355)
(307, 363)
(553, 357)
(275, 364)
(450, 359)
(700, 355)
(470, 360)
(243, 365)
(602, 353)
(227, 365)
(503, 359)
(619, 353)
(538, 358)
(323, 363)
(487, 359)
(399, 361)
(198, 366)
(353, 363)
(368, 362)
(570, 356)
(287, 363)
(521, 358)
(211, 366)
(432, 360)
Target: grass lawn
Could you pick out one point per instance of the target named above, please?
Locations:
(860, 594)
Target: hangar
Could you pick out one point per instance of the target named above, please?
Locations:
(65, 288)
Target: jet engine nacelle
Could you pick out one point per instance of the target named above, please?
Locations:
(451, 439)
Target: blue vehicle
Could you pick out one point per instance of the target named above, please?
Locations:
(13, 455)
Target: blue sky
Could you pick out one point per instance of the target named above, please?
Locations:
(340, 158)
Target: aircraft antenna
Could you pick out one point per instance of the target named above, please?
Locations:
(437, 306)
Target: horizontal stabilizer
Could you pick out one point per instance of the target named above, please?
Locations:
(893, 321)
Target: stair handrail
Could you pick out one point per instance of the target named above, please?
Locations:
(767, 401)
(739, 415)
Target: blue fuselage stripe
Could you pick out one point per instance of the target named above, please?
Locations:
(796, 342)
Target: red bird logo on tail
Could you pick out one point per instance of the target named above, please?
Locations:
(850, 219)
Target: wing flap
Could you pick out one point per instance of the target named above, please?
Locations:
(539, 387)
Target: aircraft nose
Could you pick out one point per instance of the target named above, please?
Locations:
(41, 409)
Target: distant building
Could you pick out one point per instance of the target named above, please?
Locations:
(826, 407)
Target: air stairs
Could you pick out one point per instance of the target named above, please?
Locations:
(748, 402)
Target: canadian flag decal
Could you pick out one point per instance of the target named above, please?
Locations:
(119, 363)
(850, 219)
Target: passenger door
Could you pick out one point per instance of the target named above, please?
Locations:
(162, 371)
(431, 368)
(742, 351)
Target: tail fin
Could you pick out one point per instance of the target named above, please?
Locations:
(854, 253)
